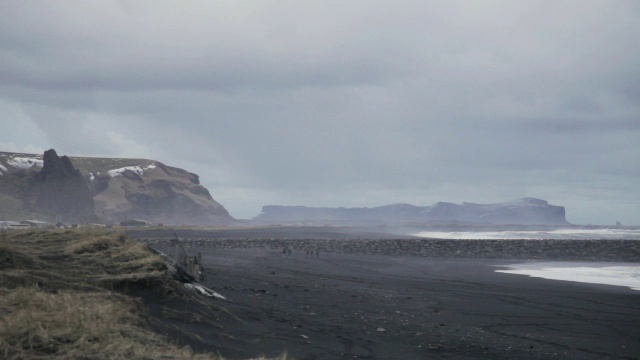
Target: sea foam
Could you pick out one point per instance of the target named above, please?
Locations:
(559, 234)
(619, 274)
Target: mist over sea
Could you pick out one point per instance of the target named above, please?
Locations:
(558, 234)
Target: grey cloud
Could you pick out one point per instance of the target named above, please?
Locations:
(83, 49)
(341, 104)
(585, 125)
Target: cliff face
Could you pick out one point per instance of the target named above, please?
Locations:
(59, 191)
(155, 192)
(119, 189)
(526, 211)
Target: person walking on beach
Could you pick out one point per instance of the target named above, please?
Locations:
(317, 252)
(286, 251)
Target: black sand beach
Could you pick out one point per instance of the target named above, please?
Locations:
(387, 307)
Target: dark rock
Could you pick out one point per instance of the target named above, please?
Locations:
(60, 191)
(578, 250)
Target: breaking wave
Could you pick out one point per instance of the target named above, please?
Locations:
(619, 274)
(559, 234)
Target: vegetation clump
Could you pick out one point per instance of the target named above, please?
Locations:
(78, 325)
(63, 294)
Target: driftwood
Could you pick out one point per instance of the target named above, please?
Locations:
(190, 280)
(184, 263)
(187, 269)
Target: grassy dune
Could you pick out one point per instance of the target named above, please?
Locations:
(63, 294)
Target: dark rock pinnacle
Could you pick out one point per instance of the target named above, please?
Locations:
(61, 193)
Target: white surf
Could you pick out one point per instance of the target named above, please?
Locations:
(559, 234)
(619, 274)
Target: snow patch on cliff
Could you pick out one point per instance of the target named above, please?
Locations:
(136, 169)
(24, 162)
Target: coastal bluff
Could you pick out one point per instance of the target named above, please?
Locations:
(74, 189)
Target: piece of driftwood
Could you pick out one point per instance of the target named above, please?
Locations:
(187, 269)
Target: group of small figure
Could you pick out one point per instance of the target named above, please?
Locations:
(309, 252)
(286, 252)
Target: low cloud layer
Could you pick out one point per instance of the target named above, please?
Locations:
(334, 103)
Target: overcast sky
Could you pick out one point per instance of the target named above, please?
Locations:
(340, 103)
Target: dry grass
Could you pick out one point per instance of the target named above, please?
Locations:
(62, 295)
(76, 325)
(78, 260)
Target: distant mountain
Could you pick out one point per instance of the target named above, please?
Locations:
(119, 189)
(526, 211)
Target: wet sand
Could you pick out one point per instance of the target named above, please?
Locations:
(382, 307)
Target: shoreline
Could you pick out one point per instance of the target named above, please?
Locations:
(543, 250)
(377, 307)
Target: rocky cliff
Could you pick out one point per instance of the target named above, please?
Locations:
(59, 191)
(526, 211)
(120, 189)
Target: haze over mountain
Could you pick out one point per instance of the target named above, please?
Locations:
(525, 211)
(339, 103)
(88, 189)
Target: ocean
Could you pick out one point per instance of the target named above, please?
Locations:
(620, 274)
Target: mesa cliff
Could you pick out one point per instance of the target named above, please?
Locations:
(525, 211)
(107, 190)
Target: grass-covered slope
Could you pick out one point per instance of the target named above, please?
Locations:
(59, 298)
(68, 295)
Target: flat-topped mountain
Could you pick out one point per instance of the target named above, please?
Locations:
(119, 188)
(526, 211)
